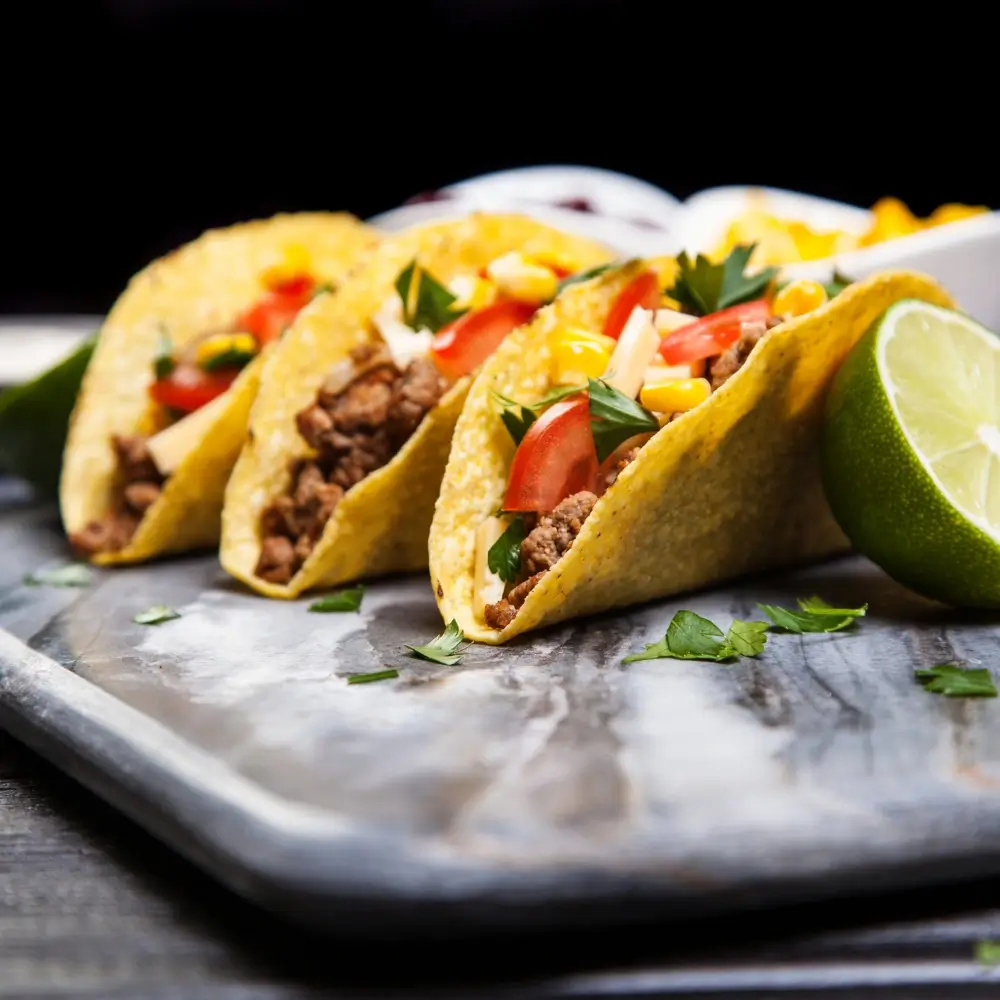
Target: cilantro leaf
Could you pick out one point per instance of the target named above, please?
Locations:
(442, 648)
(347, 599)
(554, 396)
(378, 675)
(327, 286)
(70, 575)
(154, 615)
(703, 287)
(615, 417)
(164, 363)
(988, 952)
(432, 302)
(689, 637)
(747, 638)
(504, 557)
(518, 417)
(957, 682)
(574, 279)
(231, 357)
(837, 284)
(815, 615)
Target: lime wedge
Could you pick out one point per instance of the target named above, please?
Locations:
(911, 452)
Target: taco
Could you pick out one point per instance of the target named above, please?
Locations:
(350, 432)
(163, 406)
(624, 447)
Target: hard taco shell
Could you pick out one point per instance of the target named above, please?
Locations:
(202, 285)
(731, 487)
(381, 524)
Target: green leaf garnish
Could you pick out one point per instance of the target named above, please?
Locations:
(988, 952)
(432, 302)
(747, 638)
(574, 279)
(232, 357)
(957, 682)
(704, 287)
(327, 286)
(837, 284)
(377, 675)
(615, 417)
(504, 557)
(154, 615)
(164, 363)
(442, 648)
(518, 417)
(70, 575)
(815, 615)
(347, 599)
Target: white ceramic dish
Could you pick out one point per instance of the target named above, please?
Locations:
(30, 345)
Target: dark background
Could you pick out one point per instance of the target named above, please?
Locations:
(132, 125)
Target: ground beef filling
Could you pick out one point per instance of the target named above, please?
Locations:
(353, 429)
(141, 484)
(541, 549)
(727, 364)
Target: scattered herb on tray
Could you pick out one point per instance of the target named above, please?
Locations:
(70, 575)
(377, 675)
(442, 648)
(347, 599)
(955, 681)
(154, 615)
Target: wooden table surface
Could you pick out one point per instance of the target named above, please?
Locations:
(91, 906)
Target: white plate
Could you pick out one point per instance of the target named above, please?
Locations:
(30, 345)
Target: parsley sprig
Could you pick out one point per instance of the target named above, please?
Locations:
(615, 417)
(347, 599)
(429, 305)
(691, 637)
(504, 556)
(70, 575)
(814, 615)
(442, 648)
(955, 681)
(518, 417)
(155, 615)
(703, 287)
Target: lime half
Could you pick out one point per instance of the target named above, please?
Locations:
(911, 452)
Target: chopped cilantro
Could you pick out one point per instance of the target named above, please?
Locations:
(442, 648)
(574, 279)
(955, 681)
(348, 599)
(154, 615)
(703, 287)
(431, 303)
(691, 637)
(615, 417)
(70, 575)
(988, 952)
(164, 363)
(815, 615)
(231, 357)
(378, 675)
(504, 557)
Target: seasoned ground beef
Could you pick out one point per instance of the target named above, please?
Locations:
(140, 487)
(543, 547)
(354, 428)
(727, 364)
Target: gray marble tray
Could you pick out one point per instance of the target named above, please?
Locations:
(539, 784)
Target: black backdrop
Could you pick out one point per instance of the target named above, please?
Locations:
(132, 125)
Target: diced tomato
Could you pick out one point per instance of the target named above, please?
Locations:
(560, 272)
(643, 290)
(188, 388)
(555, 459)
(711, 334)
(268, 318)
(465, 343)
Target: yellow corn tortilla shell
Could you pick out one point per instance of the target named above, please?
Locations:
(202, 285)
(381, 524)
(731, 487)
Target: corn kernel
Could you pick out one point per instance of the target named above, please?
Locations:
(798, 298)
(222, 343)
(676, 396)
(944, 214)
(293, 261)
(578, 354)
(519, 278)
(890, 220)
(471, 292)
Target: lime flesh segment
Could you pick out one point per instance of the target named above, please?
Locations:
(911, 452)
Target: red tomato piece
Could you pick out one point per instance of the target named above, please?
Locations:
(643, 290)
(711, 334)
(301, 284)
(268, 318)
(188, 388)
(465, 343)
(555, 459)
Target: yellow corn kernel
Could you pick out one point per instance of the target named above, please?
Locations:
(890, 220)
(554, 261)
(519, 278)
(944, 214)
(798, 298)
(293, 261)
(676, 396)
(222, 343)
(471, 292)
(578, 354)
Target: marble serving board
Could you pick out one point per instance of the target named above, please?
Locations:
(539, 784)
